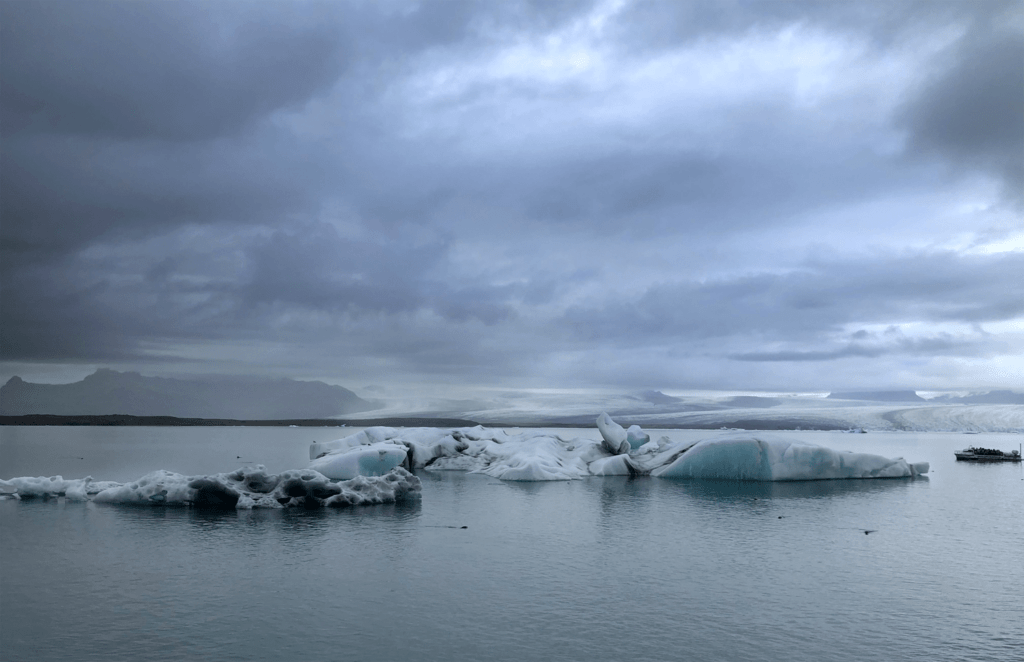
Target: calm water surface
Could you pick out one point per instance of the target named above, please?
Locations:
(598, 569)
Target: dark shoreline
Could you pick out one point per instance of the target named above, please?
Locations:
(172, 421)
(400, 422)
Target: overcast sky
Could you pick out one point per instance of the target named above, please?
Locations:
(669, 195)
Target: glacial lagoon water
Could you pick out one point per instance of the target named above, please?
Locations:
(596, 569)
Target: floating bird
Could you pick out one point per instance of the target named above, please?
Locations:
(445, 526)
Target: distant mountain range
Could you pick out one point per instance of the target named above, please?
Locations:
(878, 396)
(242, 398)
(990, 398)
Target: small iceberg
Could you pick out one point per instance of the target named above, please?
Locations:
(748, 457)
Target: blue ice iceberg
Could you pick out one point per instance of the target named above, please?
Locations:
(750, 457)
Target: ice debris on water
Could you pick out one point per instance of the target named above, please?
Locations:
(248, 487)
(375, 466)
(538, 455)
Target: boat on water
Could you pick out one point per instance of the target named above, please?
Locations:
(975, 454)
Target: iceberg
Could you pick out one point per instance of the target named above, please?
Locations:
(245, 488)
(748, 457)
(636, 437)
(372, 460)
(540, 455)
(534, 458)
(365, 438)
(530, 456)
(616, 465)
(616, 440)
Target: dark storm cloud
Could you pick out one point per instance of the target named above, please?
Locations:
(134, 114)
(61, 193)
(311, 266)
(135, 118)
(301, 279)
(482, 189)
(972, 111)
(122, 116)
(174, 71)
(190, 70)
(51, 314)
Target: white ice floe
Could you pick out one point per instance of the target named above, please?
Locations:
(249, 487)
(539, 455)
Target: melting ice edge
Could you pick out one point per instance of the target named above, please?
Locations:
(375, 466)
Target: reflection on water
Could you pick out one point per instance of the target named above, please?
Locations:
(718, 490)
(214, 521)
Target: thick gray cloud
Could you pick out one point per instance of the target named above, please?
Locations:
(945, 344)
(158, 71)
(823, 297)
(619, 194)
(971, 109)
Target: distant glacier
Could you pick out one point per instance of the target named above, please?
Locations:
(999, 411)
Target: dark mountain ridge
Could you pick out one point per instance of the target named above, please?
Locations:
(990, 398)
(107, 392)
(878, 396)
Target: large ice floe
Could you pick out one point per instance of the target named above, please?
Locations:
(250, 487)
(541, 455)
